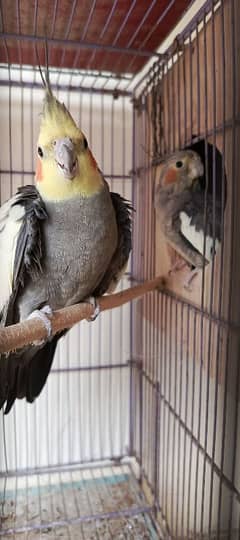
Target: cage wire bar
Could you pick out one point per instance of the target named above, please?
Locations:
(45, 487)
(83, 414)
(188, 356)
(136, 434)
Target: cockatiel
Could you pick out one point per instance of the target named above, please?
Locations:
(180, 206)
(61, 241)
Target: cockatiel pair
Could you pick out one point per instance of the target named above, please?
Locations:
(185, 214)
(61, 241)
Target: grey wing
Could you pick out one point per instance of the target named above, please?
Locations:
(200, 226)
(22, 245)
(169, 208)
(123, 210)
(24, 372)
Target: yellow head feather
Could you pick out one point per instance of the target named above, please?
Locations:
(56, 124)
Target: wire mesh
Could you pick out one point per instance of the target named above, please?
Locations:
(96, 35)
(189, 349)
(103, 362)
(158, 381)
(97, 502)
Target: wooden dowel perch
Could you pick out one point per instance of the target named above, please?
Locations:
(21, 334)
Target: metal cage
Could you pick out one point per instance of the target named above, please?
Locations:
(136, 433)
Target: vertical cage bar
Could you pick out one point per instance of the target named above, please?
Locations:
(156, 450)
(219, 333)
(132, 321)
(206, 435)
(185, 416)
(179, 470)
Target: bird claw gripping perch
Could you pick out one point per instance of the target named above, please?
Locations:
(92, 300)
(190, 279)
(178, 265)
(44, 314)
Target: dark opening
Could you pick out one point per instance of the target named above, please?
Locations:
(210, 154)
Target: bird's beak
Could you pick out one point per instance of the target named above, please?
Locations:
(196, 171)
(65, 157)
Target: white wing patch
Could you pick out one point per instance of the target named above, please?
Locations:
(196, 238)
(10, 224)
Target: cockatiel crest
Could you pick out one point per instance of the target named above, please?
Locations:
(63, 153)
(56, 121)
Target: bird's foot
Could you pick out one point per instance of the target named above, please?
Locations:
(190, 278)
(44, 314)
(92, 300)
(178, 265)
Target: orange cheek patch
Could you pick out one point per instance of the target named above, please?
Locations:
(170, 176)
(38, 175)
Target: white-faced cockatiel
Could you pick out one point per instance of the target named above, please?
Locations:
(185, 211)
(61, 241)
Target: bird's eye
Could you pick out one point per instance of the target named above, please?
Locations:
(179, 164)
(40, 152)
(85, 143)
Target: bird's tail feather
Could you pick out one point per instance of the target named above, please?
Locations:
(25, 374)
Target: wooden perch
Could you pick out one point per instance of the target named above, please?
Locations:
(21, 334)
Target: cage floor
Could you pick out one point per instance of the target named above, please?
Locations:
(99, 503)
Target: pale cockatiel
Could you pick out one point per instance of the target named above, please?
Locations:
(60, 242)
(185, 213)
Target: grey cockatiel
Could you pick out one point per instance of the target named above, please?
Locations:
(60, 242)
(185, 212)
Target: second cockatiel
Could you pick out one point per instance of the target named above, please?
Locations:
(186, 215)
(60, 242)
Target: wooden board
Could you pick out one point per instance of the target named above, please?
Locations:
(123, 25)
